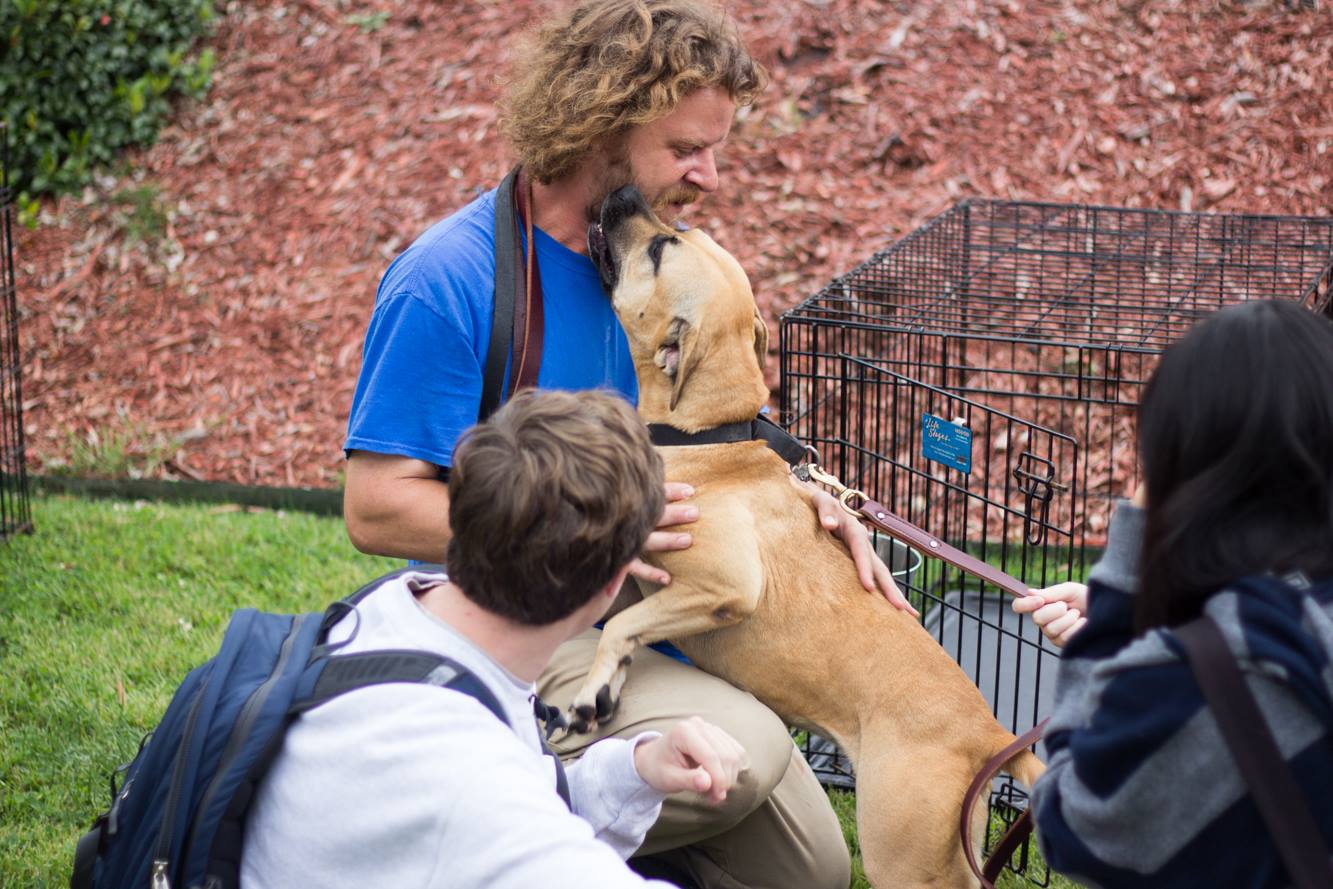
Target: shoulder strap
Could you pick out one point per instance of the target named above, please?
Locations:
(561, 779)
(341, 674)
(506, 279)
(518, 313)
(348, 672)
(339, 609)
(529, 321)
(1251, 743)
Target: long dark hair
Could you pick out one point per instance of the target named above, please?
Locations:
(1236, 444)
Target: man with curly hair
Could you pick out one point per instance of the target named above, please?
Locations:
(612, 92)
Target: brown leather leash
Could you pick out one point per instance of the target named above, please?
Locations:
(879, 516)
(1019, 831)
(900, 529)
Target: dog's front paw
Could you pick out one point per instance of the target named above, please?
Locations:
(585, 715)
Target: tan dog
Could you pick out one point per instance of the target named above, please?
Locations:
(765, 597)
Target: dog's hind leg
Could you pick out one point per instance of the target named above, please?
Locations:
(690, 604)
(907, 816)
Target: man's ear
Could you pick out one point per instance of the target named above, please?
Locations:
(612, 589)
(690, 343)
(760, 339)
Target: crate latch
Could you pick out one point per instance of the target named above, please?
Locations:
(1035, 476)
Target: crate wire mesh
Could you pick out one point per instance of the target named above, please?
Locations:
(15, 512)
(1053, 313)
(1031, 328)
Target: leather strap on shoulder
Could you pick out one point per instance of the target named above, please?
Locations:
(1272, 787)
(506, 280)
(529, 320)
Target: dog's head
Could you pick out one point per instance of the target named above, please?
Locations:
(697, 339)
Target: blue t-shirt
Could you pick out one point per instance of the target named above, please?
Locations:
(425, 350)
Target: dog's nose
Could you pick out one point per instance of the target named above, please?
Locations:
(623, 203)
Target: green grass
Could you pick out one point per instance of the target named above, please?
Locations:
(142, 216)
(123, 451)
(106, 608)
(844, 804)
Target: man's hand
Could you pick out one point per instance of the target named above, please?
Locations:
(870, 568)
(1059, 610)
(694, 755)
(662, 540)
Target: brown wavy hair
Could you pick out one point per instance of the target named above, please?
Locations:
(548, 499)
(1236, 441)
(584, 80)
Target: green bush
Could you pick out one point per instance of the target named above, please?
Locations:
(82, 79)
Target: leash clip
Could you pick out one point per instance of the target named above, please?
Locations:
(845, 499)
(812, 471)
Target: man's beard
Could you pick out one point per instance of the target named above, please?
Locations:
(619, 172)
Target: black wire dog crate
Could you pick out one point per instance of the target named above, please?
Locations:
(15, 512)
(980, 377)
(1052, 313)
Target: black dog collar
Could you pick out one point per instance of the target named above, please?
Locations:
(759, 429)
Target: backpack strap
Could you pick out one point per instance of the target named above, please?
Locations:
(349, 672)
(1272, 787)
(329, 678)
(345, 606)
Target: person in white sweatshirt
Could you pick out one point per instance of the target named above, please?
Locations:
(410, 785)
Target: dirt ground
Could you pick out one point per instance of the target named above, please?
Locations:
(203, 313)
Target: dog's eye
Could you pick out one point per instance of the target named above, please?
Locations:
(655, 249)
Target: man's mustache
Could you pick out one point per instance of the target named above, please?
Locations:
(680, 194)
(676, 195)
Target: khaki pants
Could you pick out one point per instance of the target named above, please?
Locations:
(775, 830)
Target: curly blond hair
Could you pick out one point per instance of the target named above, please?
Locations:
(608, 65)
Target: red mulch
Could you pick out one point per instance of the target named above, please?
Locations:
(234, 342)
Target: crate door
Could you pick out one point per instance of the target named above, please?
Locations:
(997, 486)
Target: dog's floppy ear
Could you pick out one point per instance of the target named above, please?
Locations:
(689, 342)
(760, 339)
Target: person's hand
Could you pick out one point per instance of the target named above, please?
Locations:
(870, 568)
(694, 755)
(663, 540)
(1058, 610)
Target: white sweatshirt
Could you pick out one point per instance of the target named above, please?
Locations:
(418, 786)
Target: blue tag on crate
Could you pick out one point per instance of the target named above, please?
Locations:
(947, 443)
